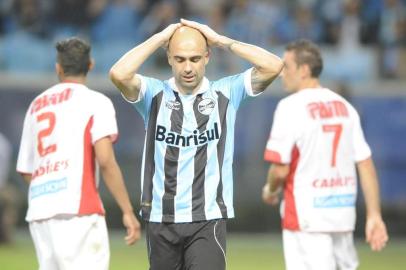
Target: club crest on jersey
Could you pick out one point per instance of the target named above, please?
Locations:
(206, 106)
(173, 105)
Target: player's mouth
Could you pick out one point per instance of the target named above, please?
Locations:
(188, 78)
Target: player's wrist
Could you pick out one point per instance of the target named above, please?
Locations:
(128, 210)
(273, 192)
(225, 42)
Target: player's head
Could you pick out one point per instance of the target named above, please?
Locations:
(73, 58)
(188, 55)
(303, 62)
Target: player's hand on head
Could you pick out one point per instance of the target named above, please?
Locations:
(133, 228)
(212, 37)
(376, 233)
(167, 33)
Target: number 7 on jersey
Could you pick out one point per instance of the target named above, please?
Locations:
(336, 129)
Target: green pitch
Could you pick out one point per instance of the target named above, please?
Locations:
(244, 251)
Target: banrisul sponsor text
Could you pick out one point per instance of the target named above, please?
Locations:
(183, 140)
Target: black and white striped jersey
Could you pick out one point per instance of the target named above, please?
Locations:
(188, 153)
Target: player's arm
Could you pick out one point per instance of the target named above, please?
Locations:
(267, 66)
(375, 229)
(276, 178)
(123, 72)
(114, 181)
(27, 177)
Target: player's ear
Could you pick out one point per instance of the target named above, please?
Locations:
(168, 54)
(207, 56)
(91, 64)
(305, 71)
(58, 70)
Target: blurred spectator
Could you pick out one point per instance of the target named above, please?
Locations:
(160, 16)
(253, 21)
(115, 20)
(28, 16)
(24, 47)
(370, 15)
(200, 11)
(116, 25)
(350, 27)
(391, 35)
(331, 13)
(303, 24)
(70, 17)
(8, 194)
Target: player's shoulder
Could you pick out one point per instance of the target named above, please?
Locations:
(293, 99)
(336, 96)
(94, 93)
(230, 78)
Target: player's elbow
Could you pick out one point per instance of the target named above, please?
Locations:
(275, 67)
(115, 75)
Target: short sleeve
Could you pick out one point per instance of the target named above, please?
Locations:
(104, 121)
(25, 160)
(149, 88)
(282, 137)
(236, 87)
(362, 150)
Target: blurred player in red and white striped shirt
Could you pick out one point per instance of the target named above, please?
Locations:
(316, 144)
(68, 132)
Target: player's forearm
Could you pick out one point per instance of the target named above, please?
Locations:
(126, 67)
(370, 187)
(276, 177)
(27, 177)
(114, 181)
(267, 64)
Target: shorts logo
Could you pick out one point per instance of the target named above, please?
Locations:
(206, 106)
(173, 105)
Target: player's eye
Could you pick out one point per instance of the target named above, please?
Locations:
(179, 59)
(195, 59)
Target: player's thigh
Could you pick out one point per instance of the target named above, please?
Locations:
(207, 248)
(344, 251)
(308, 251)
(81, 242)
(164, 246)
(42, 239)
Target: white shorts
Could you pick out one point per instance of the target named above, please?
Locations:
(71, 243)
(319, 251)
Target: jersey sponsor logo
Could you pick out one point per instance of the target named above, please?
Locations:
(195, 139)
(50, 167)
(335, 201)
(334, 182)
(330, 109)
(49, 187)
(53, 99)
(173, 105)
(206, 106)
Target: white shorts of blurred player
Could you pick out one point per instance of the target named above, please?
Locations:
(65, 243)
(319, 251)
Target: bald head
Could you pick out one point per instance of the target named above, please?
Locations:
(187, 37)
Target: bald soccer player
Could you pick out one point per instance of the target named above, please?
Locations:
(187, 181)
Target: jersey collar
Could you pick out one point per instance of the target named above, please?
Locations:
(203, 87)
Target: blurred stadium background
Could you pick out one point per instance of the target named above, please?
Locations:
(363, 44)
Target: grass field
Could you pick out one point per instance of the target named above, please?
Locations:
(244, 252)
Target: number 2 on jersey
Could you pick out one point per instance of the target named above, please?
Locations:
(336, 129)
(50, 117)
